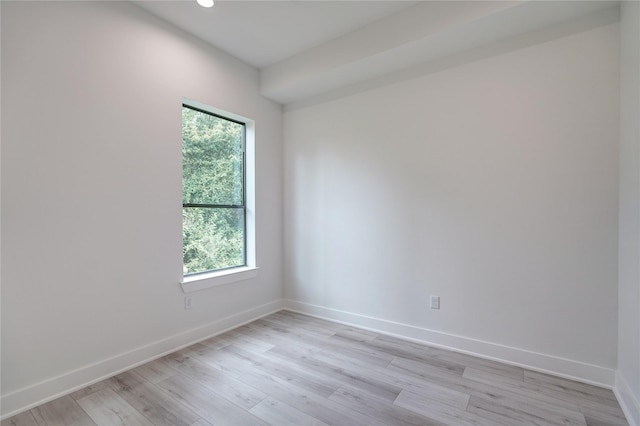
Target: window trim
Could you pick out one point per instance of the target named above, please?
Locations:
(204, 280)
(208, 279)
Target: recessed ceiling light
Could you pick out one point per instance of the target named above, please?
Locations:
(205, 3)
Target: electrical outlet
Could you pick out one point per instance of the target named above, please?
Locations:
(187, 302)
(435, 302)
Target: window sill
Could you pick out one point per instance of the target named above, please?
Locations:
(213, 279)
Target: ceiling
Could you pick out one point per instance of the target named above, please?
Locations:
(262, 33)
(306, 49)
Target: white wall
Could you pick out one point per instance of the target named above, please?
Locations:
(493, 185)
(91, 188)
(628, 378)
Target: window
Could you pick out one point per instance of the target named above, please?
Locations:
(217, 235)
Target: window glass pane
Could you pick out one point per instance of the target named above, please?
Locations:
(212, 159)
(213, 238)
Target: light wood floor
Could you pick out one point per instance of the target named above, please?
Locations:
(291, 369)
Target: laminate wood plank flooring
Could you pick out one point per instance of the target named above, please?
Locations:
(307, 402)
(107, 408)
(23, 419)
(278, 413)
(63, 410)
(292, 369)
(155, 371)
(155, 404)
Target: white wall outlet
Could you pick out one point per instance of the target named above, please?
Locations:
(187, 302)
(435, 302)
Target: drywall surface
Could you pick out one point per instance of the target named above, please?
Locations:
(91, 188)
(628, 381)
(493, 185)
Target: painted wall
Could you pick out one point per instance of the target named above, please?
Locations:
(91, 188)
(628, 379)
(493, 185)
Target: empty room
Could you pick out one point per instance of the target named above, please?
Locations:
(320, 212)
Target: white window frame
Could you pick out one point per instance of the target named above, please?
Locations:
(191, 283)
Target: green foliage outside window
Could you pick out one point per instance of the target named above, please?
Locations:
(213, 211)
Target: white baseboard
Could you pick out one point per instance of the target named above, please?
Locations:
(31, 396)
(628, 401)
(562, 367)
